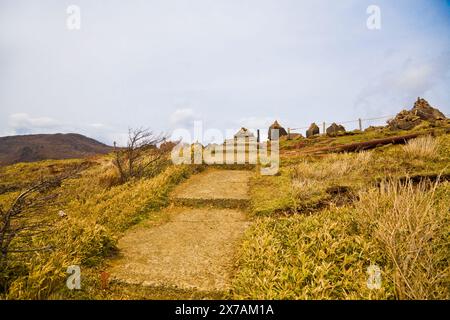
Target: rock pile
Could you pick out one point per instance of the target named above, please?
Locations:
(335, 129)
(313, 130)
(281, 130)
(422, 111)
(426, 112)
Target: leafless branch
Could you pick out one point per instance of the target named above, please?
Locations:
(140, 153)
(19, 220)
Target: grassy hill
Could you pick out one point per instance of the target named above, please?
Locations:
(316, 227)
(326, 218)
(29, 148)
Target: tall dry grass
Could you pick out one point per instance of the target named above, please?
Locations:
(333, 166)
(95, 218)
(311, 181)
(425, 147)
(409, 224)
(401, 227)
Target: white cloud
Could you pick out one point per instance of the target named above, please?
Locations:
(401, 86)
(23, 123)
(261, 123)
(183, 118)
(97, 125)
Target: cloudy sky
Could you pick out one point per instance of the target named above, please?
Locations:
(230, 63)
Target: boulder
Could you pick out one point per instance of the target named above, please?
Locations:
(281, 130)
(422, 111)
(313, 130)
(335, 129)
(404, 120)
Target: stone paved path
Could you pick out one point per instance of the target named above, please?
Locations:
(196, 247)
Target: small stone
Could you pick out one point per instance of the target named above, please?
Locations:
(62, 214)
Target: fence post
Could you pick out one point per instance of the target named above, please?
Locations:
(323, 126)
(360, 124)
(289, 133)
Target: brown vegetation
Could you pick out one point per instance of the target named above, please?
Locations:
(29, 148)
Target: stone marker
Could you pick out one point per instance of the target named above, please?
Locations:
(335, 129)
(281, 130)
(313, 130)
(422, 111)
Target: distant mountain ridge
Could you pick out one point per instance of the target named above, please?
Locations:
(36, 147)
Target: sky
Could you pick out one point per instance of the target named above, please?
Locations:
(228, 63)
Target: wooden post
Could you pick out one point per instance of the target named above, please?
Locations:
(323, 126)
(360, 124)
(289, 133)
(257, 135)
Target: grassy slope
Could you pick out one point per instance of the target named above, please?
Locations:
(323, 251)
(96, 217)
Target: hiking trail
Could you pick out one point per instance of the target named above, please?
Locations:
(196, 247)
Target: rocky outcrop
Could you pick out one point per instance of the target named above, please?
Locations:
(404, 120)
(312, 131)
(335, 129)
(422, 111)
(281, 130)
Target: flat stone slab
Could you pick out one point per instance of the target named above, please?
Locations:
(215, 184)
(195, 249)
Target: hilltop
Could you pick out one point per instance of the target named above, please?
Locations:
(30, 148)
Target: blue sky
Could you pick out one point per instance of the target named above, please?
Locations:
(231, 63)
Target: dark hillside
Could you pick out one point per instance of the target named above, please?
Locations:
(29, 148)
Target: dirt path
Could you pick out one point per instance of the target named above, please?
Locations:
(196, 248)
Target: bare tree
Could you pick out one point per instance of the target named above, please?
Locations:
(21, 218)
(25, 218)
(140, 153)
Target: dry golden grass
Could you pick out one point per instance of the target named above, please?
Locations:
(312, 180)
(324, 252)
(87, 235)
(317, 171)
(109, 175)
(408, 224)
(332, 166)
(425, 147)
(363, 158)
(402, 228)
